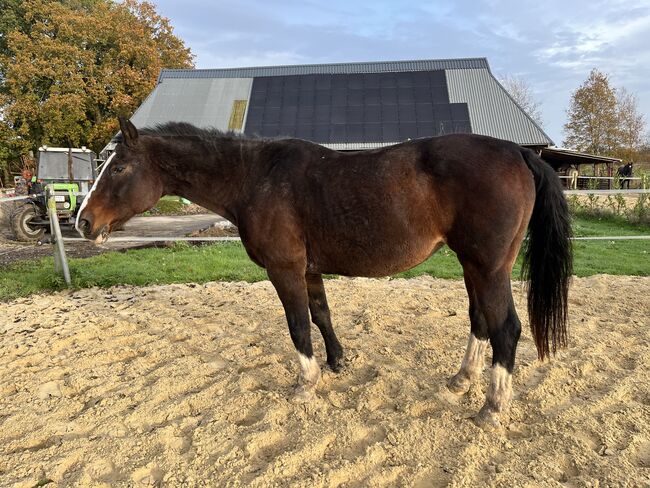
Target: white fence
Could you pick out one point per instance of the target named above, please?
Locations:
(594, 182)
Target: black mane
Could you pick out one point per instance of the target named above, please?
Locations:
(185, 129)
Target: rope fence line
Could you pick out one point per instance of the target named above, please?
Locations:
(20, 197)
(238, 239)
(61, 263)
(636, 191)
(611, 178)
(159, 239)
(36, 195)
(610, 238)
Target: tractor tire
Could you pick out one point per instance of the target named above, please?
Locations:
(20, 218)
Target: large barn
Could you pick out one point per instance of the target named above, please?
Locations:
(354, 106)
(347, 106)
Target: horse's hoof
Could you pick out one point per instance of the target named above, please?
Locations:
(445, 395)
(459, 384)
(336, 365)
(487, 419)
(304, 394)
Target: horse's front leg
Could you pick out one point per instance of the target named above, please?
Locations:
(291, 286)
(320, 315)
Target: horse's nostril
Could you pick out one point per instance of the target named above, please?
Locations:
(84, 225)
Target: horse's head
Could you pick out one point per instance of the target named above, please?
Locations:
(128, 184)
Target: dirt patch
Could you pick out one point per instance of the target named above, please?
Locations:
(12, 252)
(218, 229)
(189, 209)
(187, 385)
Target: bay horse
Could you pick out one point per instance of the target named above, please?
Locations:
(304, 210)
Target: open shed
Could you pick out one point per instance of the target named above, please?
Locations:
(571, 165)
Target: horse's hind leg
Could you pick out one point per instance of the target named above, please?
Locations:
(291, 286)
(474, 360)
(494, 299)
(320, 315)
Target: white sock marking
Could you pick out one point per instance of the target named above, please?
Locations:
(309, 370)
(474, 360)
(500, 389)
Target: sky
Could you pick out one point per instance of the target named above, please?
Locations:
(552, 45)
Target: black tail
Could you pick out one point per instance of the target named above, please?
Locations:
(548, 260)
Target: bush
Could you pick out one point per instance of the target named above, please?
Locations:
(635, 210)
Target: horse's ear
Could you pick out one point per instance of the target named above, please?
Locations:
(129, 131)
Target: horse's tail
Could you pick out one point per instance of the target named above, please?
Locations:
(548, 260)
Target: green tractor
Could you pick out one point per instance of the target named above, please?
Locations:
(71, 173)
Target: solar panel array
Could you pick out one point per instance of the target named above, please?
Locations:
(353, 108)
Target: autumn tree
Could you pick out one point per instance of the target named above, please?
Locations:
(605, 120)
(69, 67)
(522, 93)
(631, 126)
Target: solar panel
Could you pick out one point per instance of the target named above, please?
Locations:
(370, 107)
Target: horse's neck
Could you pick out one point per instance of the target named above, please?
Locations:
(218, 180)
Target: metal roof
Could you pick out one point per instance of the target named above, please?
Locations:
(336, 68)
(200, 101)
(492, 110)
(205, 98)
(557, 156)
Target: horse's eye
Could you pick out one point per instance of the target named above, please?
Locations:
(118, 169)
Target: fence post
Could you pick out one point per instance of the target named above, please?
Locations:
(60, 260)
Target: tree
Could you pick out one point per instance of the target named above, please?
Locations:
(593, 117)
(631, 126)
(522, 93)
(69, 67)
(605, 120)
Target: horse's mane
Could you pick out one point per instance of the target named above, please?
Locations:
(185, 129)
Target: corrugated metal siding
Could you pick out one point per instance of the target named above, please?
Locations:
(339, 68)
(492, 111)
(202, 102)
(357, 146)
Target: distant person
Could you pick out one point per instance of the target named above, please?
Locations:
(625, 173)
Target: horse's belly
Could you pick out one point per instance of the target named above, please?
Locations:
(375, 257)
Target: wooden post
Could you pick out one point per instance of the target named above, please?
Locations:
(70, 165)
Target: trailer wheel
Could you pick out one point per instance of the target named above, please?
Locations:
(20, 224)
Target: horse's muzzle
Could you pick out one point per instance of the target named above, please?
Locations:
(85, 228)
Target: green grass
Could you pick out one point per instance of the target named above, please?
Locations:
(167, 205)
(228, 262)
(606, 225)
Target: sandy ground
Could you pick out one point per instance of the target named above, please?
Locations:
(190, 385)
